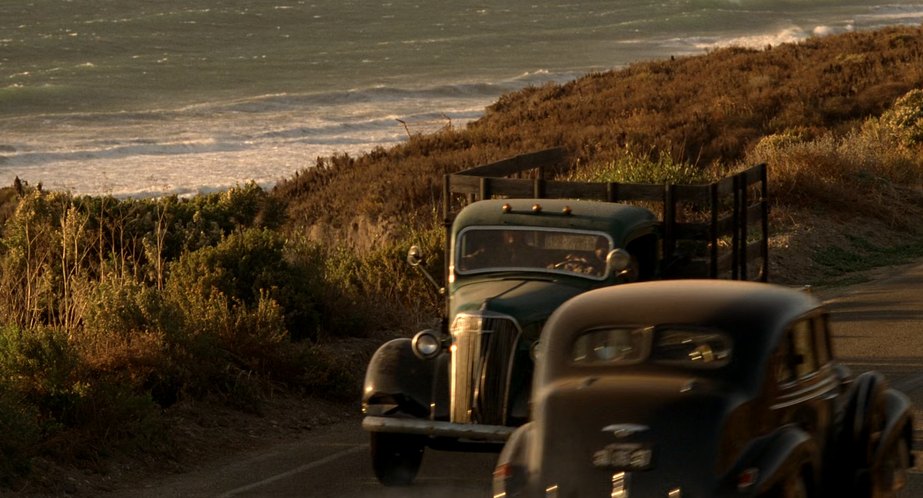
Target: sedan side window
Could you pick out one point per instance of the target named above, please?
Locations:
(803, 346)
(822, 335)
(803, 350)
(785, 371)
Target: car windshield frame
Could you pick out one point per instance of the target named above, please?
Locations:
(486, 249)
(686, 347)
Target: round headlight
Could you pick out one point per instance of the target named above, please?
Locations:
(618, 260)
(426, 344)
(534, 351)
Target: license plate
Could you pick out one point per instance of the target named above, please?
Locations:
(625, 456)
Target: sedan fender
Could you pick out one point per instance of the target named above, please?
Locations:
(770, 461)
(878, 427)
(511, 473)
(899, 425)
(873, 407)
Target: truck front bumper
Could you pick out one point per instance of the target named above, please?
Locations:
(438, 428)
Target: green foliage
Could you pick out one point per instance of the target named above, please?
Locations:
(31, 266)
(863, 254)
(124, 306)
(128, 338)
(59, 410)
(20, 437)
(376, 289)
(905, 119)
(224, 349)
(856, 171)
(243, 267)
(21, 434)
(99, 335)
(42, 365)
(326, 373)
(635, 168)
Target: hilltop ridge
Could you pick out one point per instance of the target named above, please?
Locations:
(709, 111)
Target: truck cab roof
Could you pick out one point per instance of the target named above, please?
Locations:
(616, 220)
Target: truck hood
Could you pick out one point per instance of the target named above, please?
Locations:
(681, 422)
(529, 301)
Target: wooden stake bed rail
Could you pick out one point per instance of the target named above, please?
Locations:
(715, 230)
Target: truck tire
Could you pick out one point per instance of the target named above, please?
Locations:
(396, 458)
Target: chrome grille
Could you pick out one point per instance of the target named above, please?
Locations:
(483, 351)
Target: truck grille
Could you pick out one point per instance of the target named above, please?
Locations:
(482, 359)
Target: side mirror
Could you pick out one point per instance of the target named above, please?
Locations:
(618, 261)
(414, 256)
(416, 260)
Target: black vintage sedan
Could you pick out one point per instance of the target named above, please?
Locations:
(702, 389)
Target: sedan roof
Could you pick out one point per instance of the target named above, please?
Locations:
(753, 314)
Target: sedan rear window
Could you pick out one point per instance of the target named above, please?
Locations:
(612, 346)
(684, 347)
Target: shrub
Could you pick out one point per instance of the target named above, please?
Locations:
(229, 350)
(856, 173)
(634, 168)
(43, 367)
(21, 434)
(64, 412)
(126, 337)
(325, 373)
(375, 289)
(905, 119)
(242, 267)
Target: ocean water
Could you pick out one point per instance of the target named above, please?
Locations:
(135, 98)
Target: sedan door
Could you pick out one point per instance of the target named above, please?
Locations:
(808, 387)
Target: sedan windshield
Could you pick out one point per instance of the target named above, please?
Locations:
(488, 249)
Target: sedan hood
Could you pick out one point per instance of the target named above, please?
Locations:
(582, 424)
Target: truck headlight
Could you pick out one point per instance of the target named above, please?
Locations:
(426, 344)
(618, 261)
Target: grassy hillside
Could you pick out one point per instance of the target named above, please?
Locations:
(117, 316)
(708, 111)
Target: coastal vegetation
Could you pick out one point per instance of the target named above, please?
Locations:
(115, 311)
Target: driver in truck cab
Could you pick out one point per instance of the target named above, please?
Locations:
(500, 249)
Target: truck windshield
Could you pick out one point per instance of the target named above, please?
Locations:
(488, 249)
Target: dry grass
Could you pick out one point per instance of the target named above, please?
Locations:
(709, 111)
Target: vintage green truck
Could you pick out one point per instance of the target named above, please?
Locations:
(519, 245)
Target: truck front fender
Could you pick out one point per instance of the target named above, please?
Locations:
(398, 383)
